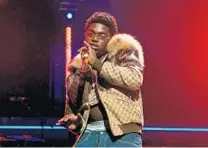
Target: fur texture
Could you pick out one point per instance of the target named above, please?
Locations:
(124, 42)
(118, 42)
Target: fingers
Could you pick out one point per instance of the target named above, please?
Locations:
(71, 117)
(84, 48)
(72, 127)
(60, 122)
(86, 44)
(84, 52)
(64, 119)
(77, 122)
(88, 47)
(70, 121)
(75, 63)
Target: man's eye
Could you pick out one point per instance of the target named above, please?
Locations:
(90, 33)
(102, 36)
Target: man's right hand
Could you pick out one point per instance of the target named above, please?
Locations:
(76, 63)
(73, 120)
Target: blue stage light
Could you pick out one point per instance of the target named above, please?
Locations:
(69, 15)
(173, 129)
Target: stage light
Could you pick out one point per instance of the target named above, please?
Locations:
(69, 15)
(165, 129)
(68, 40)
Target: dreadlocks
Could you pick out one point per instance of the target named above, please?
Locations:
(105, 19)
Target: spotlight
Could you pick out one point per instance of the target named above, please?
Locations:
(69, 15)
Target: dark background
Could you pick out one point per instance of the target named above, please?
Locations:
(27, 30)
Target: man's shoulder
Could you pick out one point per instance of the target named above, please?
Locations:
(123, 42)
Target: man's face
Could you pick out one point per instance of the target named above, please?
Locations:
(98, 36)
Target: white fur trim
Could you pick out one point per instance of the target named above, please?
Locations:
(122, 42)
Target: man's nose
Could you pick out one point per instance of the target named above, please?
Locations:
(95, 38)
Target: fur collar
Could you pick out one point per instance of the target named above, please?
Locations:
(123, 42)
(118, 42)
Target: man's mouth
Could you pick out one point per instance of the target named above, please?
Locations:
(93, 46)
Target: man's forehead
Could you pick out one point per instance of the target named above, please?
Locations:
(98, 28)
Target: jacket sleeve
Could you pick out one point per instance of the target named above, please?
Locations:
(68, 109)
(126, 73)
(68, 105)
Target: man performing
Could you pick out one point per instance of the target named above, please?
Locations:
(104, 105)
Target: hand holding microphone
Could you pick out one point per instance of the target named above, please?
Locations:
(87, 56)
(80, 60)
(88, 53)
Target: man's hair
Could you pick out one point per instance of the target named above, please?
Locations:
(105, 19)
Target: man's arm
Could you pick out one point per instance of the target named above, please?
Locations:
(68, 109)
(127, 73)
(74, 83)
(72, 120)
